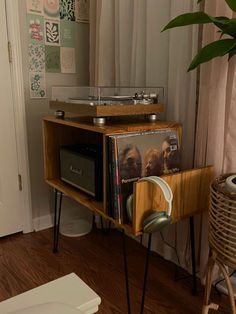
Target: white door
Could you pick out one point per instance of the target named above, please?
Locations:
(10, 198)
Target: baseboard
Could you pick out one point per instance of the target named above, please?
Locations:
(46, 221)
(43, 222)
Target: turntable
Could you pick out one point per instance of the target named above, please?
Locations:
(101, 102)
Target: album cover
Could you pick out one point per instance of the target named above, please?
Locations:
(142, 154)
(112, 181)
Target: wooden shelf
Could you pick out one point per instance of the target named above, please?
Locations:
(191, 191)
(84, 199)
(105, 110)
(71, 131)
(116, 125)
(76, 195)
(190, 188)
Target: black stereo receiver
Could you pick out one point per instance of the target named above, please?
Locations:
(82, 167)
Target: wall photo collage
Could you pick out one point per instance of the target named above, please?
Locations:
(51, 39)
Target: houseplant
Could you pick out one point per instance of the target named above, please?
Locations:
(226, 44)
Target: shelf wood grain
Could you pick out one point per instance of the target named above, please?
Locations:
(115, 125)
(106, 110)
(86, 200)
(191, 190)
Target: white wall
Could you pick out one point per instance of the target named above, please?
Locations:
(42, 196)
(157, 69)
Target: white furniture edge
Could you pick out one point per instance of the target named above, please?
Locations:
(13, 26)
(80, 296)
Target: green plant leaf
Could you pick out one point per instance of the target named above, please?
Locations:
(228, 26)
(199, 1)
(221, 33)
(188, 19)
(231, 4)
(214, 49)
(225, 18)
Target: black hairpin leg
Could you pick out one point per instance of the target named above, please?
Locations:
(107, 230)
(126, 272)
(146, 272)
(56, 221)
(141, 239)
(93, 220)
(191, 221)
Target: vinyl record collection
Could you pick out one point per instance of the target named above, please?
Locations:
(131, 156)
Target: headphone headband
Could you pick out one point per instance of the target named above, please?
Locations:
(164, 186)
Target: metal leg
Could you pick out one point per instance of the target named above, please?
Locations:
(141, 239)
(146, 272)
(101, 221)
(126, 272)
(56, 221)
(107, 230)
(191, 221)
(93, 221)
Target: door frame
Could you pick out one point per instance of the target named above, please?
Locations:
(13, 29)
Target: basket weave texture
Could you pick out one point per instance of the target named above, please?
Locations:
(222, 222)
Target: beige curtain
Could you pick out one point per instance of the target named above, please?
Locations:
(181, 107)
(216, 132)
(128, 48)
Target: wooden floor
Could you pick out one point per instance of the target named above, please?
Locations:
(27, 261)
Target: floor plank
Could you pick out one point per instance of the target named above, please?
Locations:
(27, 261)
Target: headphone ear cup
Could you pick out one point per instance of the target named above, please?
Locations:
(156, 222)
(129, 207)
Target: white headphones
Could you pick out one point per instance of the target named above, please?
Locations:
(160, 219)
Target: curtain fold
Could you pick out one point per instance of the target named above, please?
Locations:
(129, 49)
(229, 164)
(216, 133)
(181, 107)
(181, 104)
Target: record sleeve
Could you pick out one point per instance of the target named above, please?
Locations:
(151, 153)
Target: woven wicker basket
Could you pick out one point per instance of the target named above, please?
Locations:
(222, 238)
(222, 222)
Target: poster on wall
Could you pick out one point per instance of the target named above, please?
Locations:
(37, 84)
(52, 59)
(51, 9)
(82, 11)
(34, 6)
(67, 30)
(68, 60)
(36, 53)
(52, 32)
(67, 10)
(35, 28)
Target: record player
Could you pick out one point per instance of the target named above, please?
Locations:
(101, 102)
